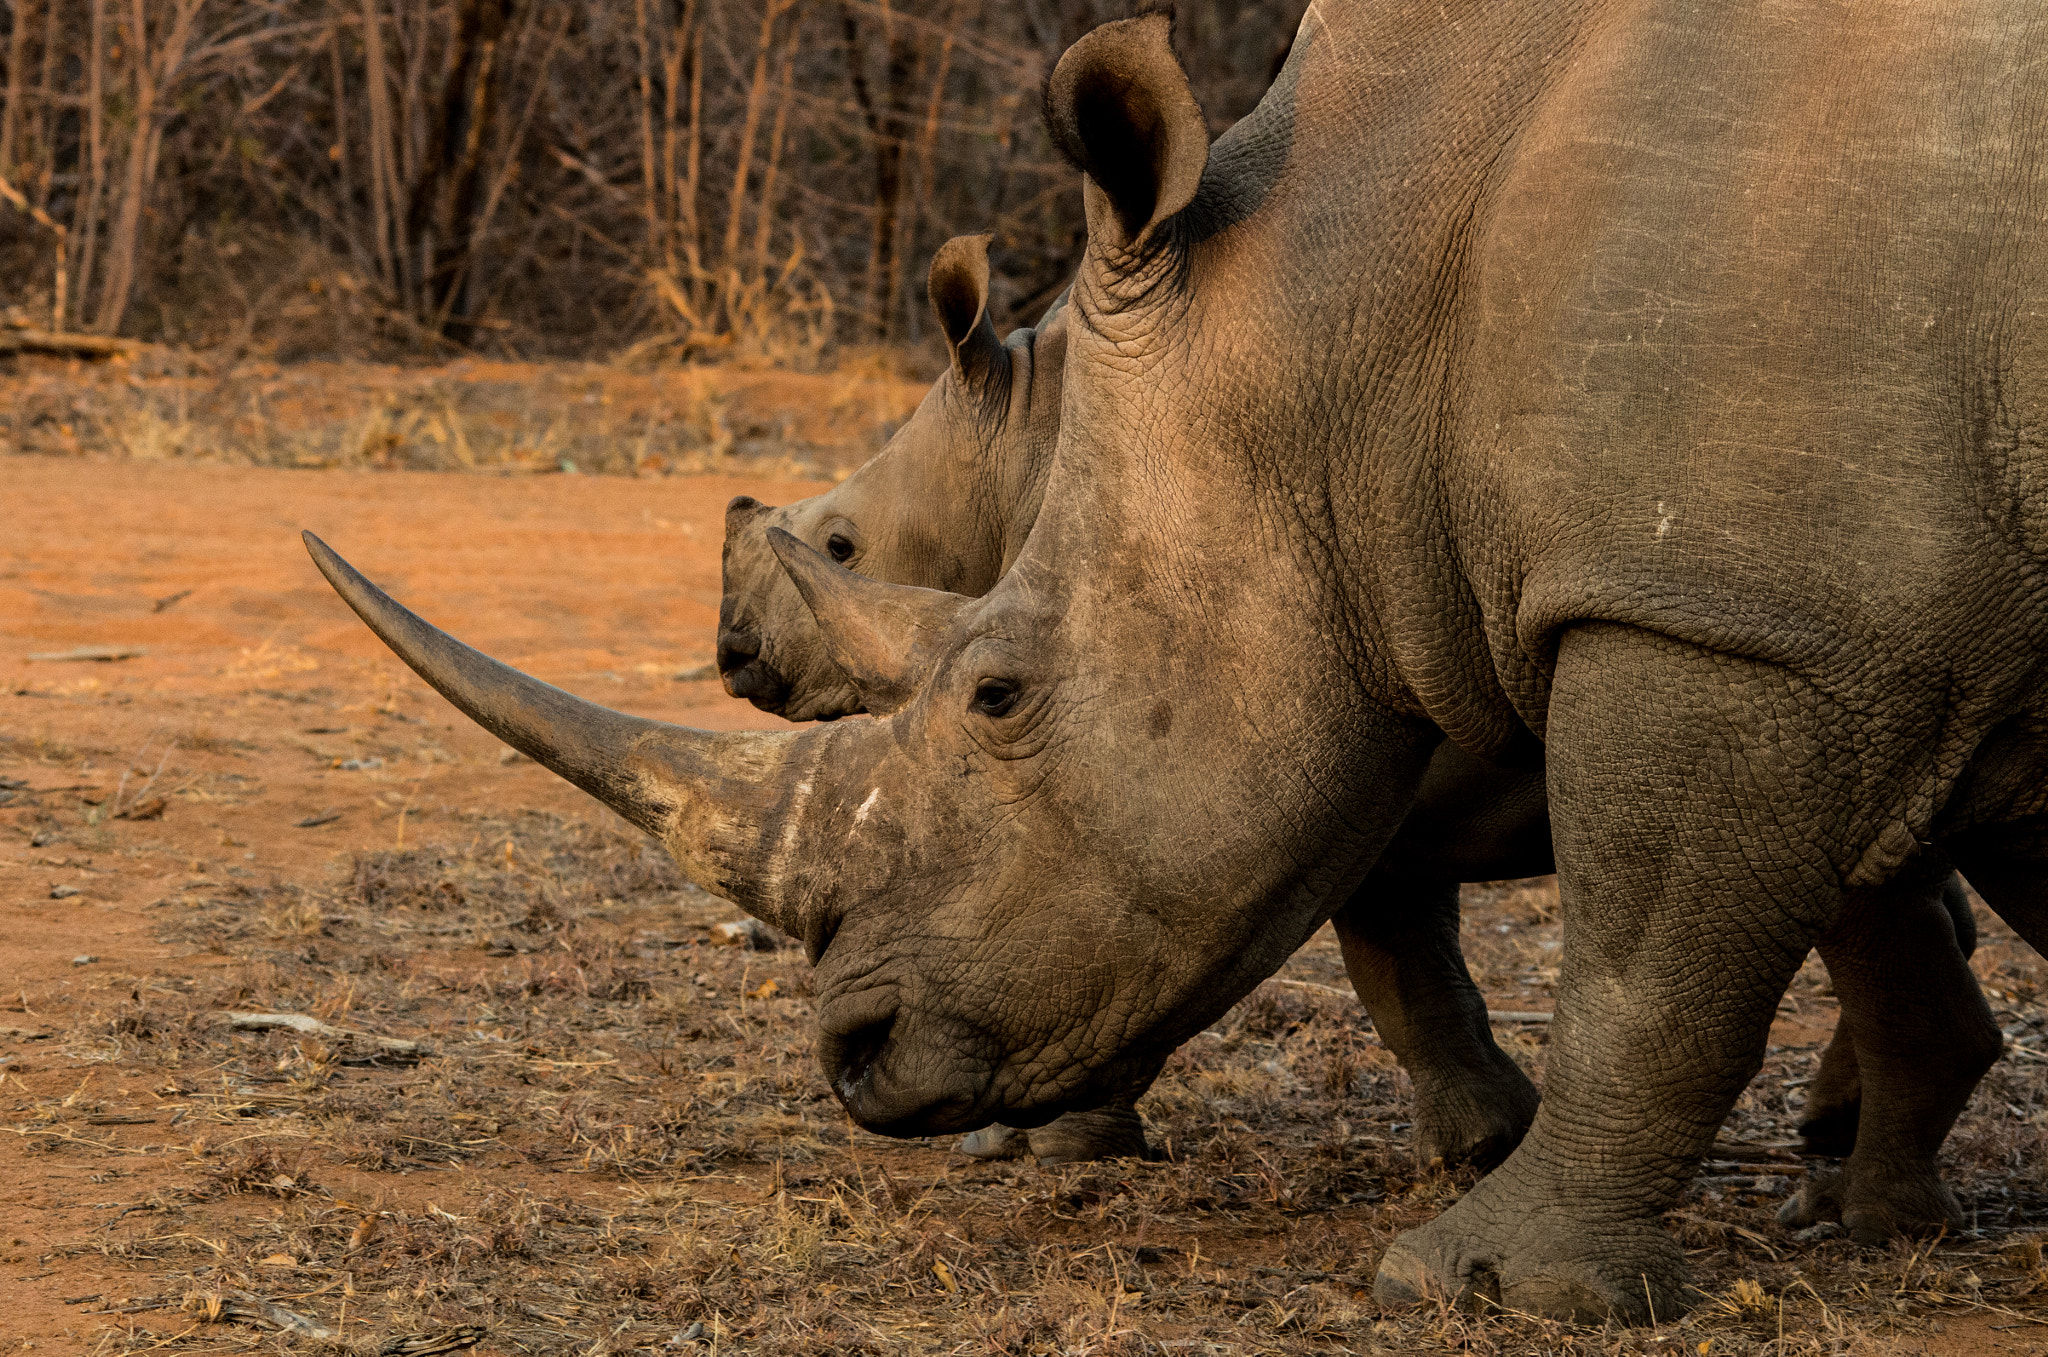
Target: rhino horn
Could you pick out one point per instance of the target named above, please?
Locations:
(708, 797)
(882, 636)
(958, 287)
(1119, 108)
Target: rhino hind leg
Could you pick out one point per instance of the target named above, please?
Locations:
(1472, 1102)
(1834, 1100)
(1923, 1036)
(1113, 1131)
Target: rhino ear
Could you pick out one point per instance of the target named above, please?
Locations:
(884, 637)
(958, 287)
(1119, 107)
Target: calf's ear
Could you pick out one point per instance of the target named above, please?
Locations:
(1119, 107)
(958, 287)
(883, 637)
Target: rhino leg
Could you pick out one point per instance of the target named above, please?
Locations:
(1686, 915)
(1923, 1036)
(1834, 1099)
(2009, 867)
(1400, 940)
(1112, 1131)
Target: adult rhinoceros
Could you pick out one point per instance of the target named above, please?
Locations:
(948, 504)
(1661, 383)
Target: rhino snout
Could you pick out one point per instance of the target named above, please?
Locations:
(746, 674)
(887, 1078)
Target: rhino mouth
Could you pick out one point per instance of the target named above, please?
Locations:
(890, 1081)
(745, 674)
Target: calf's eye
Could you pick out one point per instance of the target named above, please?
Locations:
(840, 549)
(994, 697)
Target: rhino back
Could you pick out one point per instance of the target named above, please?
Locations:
(1755, 346)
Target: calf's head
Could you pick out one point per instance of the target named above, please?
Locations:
(1108, 797)
(945, 505)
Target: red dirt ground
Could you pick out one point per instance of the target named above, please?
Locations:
(265, 734)
(266, 684)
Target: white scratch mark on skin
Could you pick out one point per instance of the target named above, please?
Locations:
(860, 814)
(1664, 523)
(787, 849)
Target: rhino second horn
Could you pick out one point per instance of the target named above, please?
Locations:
(883, 637)
(708, 797)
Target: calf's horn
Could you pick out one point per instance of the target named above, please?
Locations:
(709, 797)
(882, 636)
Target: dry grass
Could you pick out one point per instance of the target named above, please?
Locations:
(619, 1143)
(501, 418)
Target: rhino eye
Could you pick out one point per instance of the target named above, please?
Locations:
(994, 697)
(839, 547)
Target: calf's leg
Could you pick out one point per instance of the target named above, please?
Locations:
(1400, 941)
(1112, 1131)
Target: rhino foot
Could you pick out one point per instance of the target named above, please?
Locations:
(1874, 1203)
(996, 1142)
(1509, 1249)
(1113, 1132)
(1472, 1117)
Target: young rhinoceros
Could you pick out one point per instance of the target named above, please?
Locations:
(947, 505)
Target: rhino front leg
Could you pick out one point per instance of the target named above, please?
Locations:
(1112, 1131)
(1400, 941)
(1923, 1036)
(1698, 816)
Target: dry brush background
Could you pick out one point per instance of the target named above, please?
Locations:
(545, 177)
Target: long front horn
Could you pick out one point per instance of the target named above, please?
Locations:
(708, 797)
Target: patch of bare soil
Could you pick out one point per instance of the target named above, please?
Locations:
(544, 1107)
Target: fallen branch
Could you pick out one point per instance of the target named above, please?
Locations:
(313, 1027)
(66, 345)
(239, 1307)
(427, 1344)
(133, 1307)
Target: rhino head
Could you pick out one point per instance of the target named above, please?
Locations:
(948, 502)
(1110, 795)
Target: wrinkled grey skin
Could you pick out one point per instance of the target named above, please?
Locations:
(1658, 382)
(946, 505)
